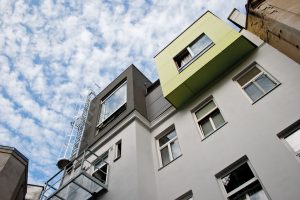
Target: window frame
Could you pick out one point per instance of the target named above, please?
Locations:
(100, 162)
(168, 145)
(252, 80)
(186, 196)
(286, 133)
(117, 157)
(197, 121)
(191, 53)
(233, 167)
(112, 92)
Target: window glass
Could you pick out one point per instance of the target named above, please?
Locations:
(248, 76)
(113, 102)
(237, 177)
(253, 92)
(242, 184)
(217, 118)
(201, 44)
(252, 192)
(294, 140)
(184, 58)
(167, 138)
(118, 149)
(206, 126)
(206, 109)
(165, 158)
(265, 82)
(175, 149)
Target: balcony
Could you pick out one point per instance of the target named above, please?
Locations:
(198, 56)
(84, 178)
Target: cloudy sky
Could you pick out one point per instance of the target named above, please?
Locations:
(51, 51)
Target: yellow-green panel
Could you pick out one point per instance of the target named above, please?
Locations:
(226, 41)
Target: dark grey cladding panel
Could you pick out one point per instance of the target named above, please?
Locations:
(140, 82)
(136, 91)
(156, 103)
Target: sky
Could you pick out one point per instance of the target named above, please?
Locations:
(53, 51)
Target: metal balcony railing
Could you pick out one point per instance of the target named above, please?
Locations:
(80, 180)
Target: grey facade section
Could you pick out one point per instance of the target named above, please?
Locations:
(13, 174)
(156, 104)
(136, 90)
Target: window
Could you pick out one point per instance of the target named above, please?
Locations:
(113, 102)
(256, 83)
(101, 168)
(242, 184)
(291, 136)
(294, 141)
(118, 149)
(195, 49)
(209, 118)
(168, 147)
(186, 196)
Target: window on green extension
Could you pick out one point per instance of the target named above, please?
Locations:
(194, 50)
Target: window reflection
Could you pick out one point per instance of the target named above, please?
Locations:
(113, 102)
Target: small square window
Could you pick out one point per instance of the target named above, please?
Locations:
(118, 149)
(169, 148)
(209, 118)
(256, 83)
(195, 49)
(242, 184)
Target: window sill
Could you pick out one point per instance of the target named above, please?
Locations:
(204, 138)
(169, 163)
(117, 158)
(253, 102)
(180, 69)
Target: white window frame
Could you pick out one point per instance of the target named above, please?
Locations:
(107, 97)
(194, 56)
(206, 102)
(252, 80)
(96, 168)
(286, 133)
(168, 145)
(116, 150)
(244, 185)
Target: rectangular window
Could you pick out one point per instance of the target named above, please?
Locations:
(209, 118)
(101, 168)
(256, 83)
(186, 196)
(195, 49)
(294, 141)
(241, 183)
(291, 136)
(118, 149)
(168, 147)
(113, 102)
